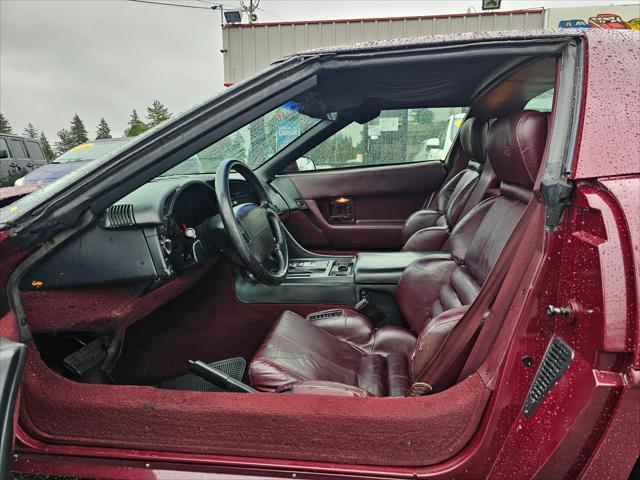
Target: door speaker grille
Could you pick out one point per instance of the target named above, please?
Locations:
(554, 364)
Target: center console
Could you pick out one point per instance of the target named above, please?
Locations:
(319, 268)
(311, 279)
(337, 280)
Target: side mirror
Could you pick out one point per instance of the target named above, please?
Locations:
(433, 143)
(4, 153)
(303, 164)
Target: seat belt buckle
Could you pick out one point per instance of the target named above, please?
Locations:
(419, 389)
(369, 310)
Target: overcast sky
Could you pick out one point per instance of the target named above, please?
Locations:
(106, 57)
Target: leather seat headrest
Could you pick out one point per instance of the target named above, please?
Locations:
(515, 146)
(473, 138)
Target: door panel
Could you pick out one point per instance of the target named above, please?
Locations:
(359, 208)
(12, 355)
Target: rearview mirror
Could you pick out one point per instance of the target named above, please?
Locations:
(303, 164)
(433, 143)
(4, 153)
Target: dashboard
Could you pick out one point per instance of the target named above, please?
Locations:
(144, 240)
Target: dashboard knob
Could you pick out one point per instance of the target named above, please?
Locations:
(167, 246)
(190, 232)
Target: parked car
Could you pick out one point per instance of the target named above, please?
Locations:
(437, 148)
(575, 23)
(608, 21)
(79, 156)
(18, 155)
(634, 23)
(475, 317)
(70, 161)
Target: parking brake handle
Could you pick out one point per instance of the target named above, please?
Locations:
(218, 378)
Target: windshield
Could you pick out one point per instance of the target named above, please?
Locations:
(89, 151)
(253, 144)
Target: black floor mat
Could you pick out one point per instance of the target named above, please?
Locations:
(233, 367)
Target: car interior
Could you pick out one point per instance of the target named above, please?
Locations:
(254, 303)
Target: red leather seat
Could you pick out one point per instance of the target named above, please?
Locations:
(340, 352)
(427, 229)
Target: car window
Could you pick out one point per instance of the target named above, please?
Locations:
(541, 103)
(253, 144)
(18, 149)
(395, 136)
(35, 151)
(4, 146)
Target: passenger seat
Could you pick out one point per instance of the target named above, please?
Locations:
(341, 352)
(428, 229)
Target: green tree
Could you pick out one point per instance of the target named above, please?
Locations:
(65, 142)
(422, 115)
(103, 131)
(136, 126)
(232, 146)
(336, 151)
(30, 131)
(157, 113)
(5, 126)
(77, 131)
(46, 147)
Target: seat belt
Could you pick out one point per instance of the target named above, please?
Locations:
(457, 341)
(493, 324)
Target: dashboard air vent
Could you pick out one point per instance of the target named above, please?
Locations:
(120, 215)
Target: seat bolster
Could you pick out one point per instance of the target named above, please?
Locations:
(295, 349)
(465, 230)
(419, 287)
(318, 387)
(427, 240)
(391, 339)
(419, 220)
(267, 375)
(349, 326)
(398, 380)
(431, 339)
(461, 195)
(357, 329)
(446, 191)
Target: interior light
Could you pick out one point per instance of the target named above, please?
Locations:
(342, 200)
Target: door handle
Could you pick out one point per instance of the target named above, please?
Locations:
(341, 210)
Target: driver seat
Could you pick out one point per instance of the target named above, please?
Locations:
(339, 352)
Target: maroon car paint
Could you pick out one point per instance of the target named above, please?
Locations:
(609, 141)
(588, 425)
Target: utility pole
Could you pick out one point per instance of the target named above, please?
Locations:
(250, 7)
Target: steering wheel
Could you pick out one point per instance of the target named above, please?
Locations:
(254, 230)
